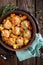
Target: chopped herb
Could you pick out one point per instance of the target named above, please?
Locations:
(30, 6)
(21, 34)
(40, 18)
(9, 8)
(38, 11)
(24, 27)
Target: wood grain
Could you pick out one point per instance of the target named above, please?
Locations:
(39, 5)
(29, 5)
(5, 2)
(11, 57)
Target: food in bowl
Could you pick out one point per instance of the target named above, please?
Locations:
(16, 30)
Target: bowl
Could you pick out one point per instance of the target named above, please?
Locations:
(33, 30)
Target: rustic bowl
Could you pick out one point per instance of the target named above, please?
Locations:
(32, 23)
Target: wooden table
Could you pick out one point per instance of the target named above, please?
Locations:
(36, 9)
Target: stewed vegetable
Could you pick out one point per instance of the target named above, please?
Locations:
(16, 30)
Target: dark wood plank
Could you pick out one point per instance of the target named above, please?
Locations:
(39, 6)
(28, 5)
(39, 16)
(11, 57)
(2, 62)
(5, 2)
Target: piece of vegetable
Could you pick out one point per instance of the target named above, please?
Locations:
(5, 38)
(4, 21)
(20, 15)
(26, 40)
(30, 28)
(21, 30)
(12, 15)
(7, 41)
(12, 27)
(8, 18)
(23, 17)
(14, 36)
(12, 19)
(10, 30)
(1, 27)
(15, 46)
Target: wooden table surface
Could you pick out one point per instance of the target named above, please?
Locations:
(36, 9)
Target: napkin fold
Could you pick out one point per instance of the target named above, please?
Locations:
(33, 50)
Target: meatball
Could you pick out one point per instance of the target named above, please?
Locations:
(19, 42)
(27, 34)
(5, 33)
(17, 20)
(12, 41)
(7, 24)
(17, 30)
(24, 24)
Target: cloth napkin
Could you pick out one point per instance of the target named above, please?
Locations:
(33, 50)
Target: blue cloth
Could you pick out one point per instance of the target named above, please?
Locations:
(33, 50)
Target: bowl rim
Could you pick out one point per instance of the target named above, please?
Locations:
(34, 26)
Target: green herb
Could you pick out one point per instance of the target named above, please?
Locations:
(38, 11)
(40, 18)
(21, 34)
(24, 27)
(8, 8)
(30, 6)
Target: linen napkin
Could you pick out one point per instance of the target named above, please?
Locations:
(33, 50)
